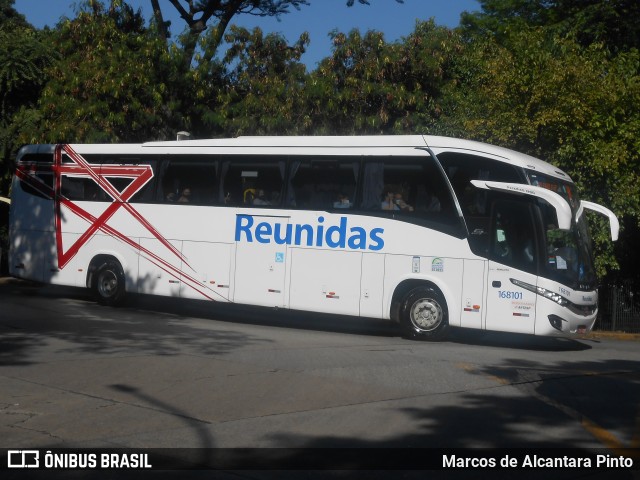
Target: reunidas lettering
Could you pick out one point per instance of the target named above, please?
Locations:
(335, 236)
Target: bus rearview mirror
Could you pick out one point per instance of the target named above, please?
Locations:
(614, 224)
(562, 208)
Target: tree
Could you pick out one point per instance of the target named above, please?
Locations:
(573, 106)
(197, 15)
(25, 55)
(110, 83)
(264, 86)
(612, 22)
(348, 91)
(370, 86)
(10, 18)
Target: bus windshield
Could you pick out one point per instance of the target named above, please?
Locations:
(568, 257)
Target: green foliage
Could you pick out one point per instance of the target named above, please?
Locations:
(9, 18)
(613, 23)
(573, 106)
(560, 79)
(370, 86)
(264, 85)
(349, 92)
(24, 56)
(109, 84)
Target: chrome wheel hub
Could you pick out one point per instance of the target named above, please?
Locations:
(426, 314)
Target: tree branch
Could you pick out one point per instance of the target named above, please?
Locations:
(162, 27)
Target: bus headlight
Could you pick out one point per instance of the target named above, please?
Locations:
(559, 299)
(556, 297)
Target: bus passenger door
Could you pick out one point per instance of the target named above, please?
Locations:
(512, 264)
(261, 263)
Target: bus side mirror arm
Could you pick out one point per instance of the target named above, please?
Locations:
(562, 208)
(614, 224)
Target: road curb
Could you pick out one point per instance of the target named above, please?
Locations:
(601, 335)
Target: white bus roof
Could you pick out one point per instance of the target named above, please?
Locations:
(511, 156)
(382, 144)
(374, 141)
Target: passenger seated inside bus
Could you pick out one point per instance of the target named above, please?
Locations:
(261, 198)
(186, 196)
(400, 203)
(388, 202)
(248, 196)
(426, 201)
(342, 201)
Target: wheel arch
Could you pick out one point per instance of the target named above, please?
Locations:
(99, 259)
(406, 285)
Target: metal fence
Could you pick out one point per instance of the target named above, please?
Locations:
(619, 308)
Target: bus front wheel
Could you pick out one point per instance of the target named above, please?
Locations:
(424, 314)
(109, 283)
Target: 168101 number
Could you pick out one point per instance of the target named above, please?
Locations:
(509, 295)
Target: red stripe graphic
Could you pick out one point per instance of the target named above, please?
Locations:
(80, 168)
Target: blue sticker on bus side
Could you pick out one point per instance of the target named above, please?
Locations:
(279, 257)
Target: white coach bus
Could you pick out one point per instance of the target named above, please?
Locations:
(430, 232)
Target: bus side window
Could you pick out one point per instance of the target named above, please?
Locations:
(79, 189)
(475, 204)
(143, 195)
(323, 183)
(39, 167)
(46, 178)
(411, 188)
(251, 181)
(190, 179)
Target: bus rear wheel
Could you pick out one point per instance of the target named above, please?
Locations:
(424, 314)
(109, 283)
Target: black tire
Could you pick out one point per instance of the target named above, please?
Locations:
(424, 314)
(109, 283)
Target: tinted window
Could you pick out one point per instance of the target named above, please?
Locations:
(408, 188)
(190, 179)
(147, 192)
(323, 183)
(80, 188)
(251, 181)
(462, 168)
(474, 202)
(38, 166)
(43, 191)
(85, 188)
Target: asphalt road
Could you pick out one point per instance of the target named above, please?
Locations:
(166, 373)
